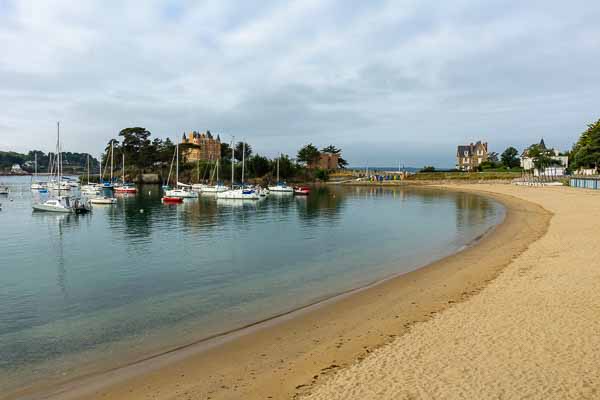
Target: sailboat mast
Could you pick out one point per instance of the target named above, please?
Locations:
(112, 161)
(123, 168)
(243, 160)
(88, 166)
(100, 179)
(232, 160)
(177, 165)
(59, 169)
(278, 168)
(35, 166)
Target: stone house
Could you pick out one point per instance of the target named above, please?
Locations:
(206, 147)
(469, 157)
(326, 161)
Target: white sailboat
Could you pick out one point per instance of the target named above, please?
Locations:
(35, 184)
(89, 189)
(181, 190)
(280, 187)
(218, 187)
(241, 193)
(60, 204)
(125, 187)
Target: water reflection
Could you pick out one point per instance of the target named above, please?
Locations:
(121, 274)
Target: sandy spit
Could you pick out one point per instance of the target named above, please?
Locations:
(431, 333)
(532, 333)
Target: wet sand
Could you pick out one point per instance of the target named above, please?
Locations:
(321, 349)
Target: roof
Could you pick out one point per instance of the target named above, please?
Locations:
(461, 150)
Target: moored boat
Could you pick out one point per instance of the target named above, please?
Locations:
(103, 200)
(174, 200)
(125, 187)
(301, 190)
(280, 187)
(60, 204)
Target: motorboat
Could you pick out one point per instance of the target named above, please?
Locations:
(90, 190)
(104, 200)
(181, 193)
(4, 190)
(172, 200)
(301, 190)
(126, 188)
(61, 204)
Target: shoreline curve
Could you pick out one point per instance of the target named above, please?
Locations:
(325, 335)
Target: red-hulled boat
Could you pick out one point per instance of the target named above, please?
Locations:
(125, 189)
(172, 200)
(302, 190)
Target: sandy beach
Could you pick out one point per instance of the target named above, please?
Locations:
(513, 316)
(534, 332)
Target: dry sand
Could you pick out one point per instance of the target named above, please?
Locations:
(533, 333)
(443, 331)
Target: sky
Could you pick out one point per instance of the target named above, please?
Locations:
(387, 81)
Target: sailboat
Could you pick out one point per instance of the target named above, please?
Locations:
(89, 189)
(109, 185)
(59, 203)
(280, 187)
(241, 193)
(56, 184)
(218, 188)
(182, 190)
(35, 184)
(125, 187)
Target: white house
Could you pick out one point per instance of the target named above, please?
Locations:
(16, 169)
(527, 162)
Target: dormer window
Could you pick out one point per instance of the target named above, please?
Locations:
(466, 153)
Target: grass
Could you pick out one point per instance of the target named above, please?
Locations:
(466, 176)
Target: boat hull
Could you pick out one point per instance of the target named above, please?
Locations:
(47, 208)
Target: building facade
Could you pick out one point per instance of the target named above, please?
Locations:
(469, 157)
(206, 147)
(527, 161)
(326, 161)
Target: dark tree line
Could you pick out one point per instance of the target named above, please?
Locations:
(71, 161)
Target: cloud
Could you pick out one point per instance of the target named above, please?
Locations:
(385, 80)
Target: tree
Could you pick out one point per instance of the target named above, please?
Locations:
(322, 174)
(308, 154)
(136, 146)
(428, 168)
(509, 158)
(586, 152)
(331, 149)
(493, 157)
(225, 152)
(541, 157)
(239, 147)
(287, 168)
(258, 165)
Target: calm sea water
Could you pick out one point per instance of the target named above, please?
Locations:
(84, 293)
